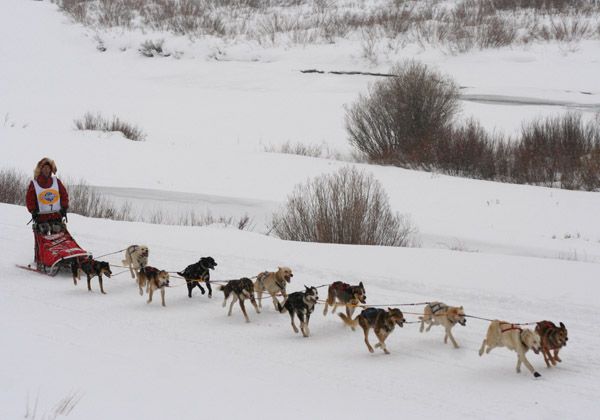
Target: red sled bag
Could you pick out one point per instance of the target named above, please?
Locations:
(54, 250)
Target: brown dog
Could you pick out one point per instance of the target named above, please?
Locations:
(513, 337)
(340, 293)
(552, 338)
(438, 313)
(273, 283)
(383, 323)
(153, 279)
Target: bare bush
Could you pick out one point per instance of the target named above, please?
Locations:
(556, 150)
(150, 48)
(311, 150)
(347, 207)
(86, 201)
(13, 186)
(97, 122)
(401, 118)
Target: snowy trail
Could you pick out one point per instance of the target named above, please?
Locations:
(112, 347)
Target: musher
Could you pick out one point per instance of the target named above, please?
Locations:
(47, 198)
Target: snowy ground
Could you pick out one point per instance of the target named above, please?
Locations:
(519, 253)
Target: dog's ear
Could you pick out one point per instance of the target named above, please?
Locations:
(563, 326)
(461, 307)
(306, 287)
(360, 284)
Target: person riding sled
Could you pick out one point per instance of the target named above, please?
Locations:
(47, 198)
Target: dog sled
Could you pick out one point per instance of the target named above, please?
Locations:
(54, 247)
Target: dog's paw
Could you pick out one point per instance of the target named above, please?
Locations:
(536, 374)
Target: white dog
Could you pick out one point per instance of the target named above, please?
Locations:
(438, 313)
(513, 337)
(136, 257)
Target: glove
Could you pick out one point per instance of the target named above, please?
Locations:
(63, 212)
(34, 214)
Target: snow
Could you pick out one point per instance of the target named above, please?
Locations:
(514, 252)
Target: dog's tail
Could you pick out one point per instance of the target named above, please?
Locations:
(352, 323)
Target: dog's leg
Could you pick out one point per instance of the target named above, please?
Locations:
(253, 302)
(208, 286)
(326, 307)
(150, 291)
(162, 295)
(233, 300)
(422, 318)
(293, 324)
(140, 286)
(89, 282)
(258, 291)
(101, 285)
(431, 322)
(381, 336)
(190, 286)
(275, 301)
(335, 305)
(201, 288)
(449, 334)
(303, 327)
(483, 347)
(556, 358)
(366, 332)
(522, 358)
(243, 307)
(547, 357)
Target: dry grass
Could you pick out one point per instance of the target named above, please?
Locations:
(466, 25)
(97, 122)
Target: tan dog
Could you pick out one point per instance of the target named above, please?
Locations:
(152, 278)
(273, 283)
(383, 323)
(513, 337)
(136, 257)
(438, 313)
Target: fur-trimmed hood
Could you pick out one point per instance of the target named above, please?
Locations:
(38, 168)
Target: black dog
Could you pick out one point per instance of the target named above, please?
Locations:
(302, 304)
(199, 272)
(241, 290)
(91, 268)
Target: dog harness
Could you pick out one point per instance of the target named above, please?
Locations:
(48, 199)
(436, 307)
(510, 327)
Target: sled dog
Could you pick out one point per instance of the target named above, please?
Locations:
(241, 290)
(273, 283)
(383, 323)
(340, 293)
(136, 257)
(551, 338)
(301, 304)
(438, 313)
(91, 268)
(153, 279)
(513, 337)
(199, 272)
